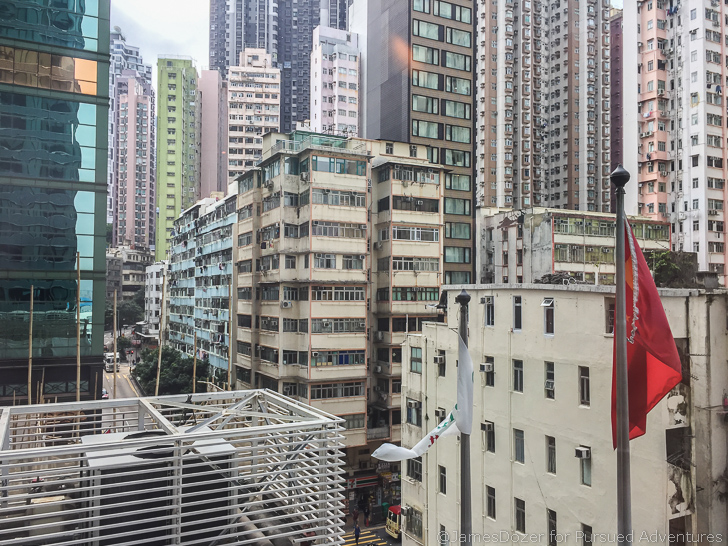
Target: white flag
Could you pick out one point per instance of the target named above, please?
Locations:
(392, 453)
(464, 406)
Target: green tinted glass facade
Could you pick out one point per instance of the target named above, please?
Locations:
(53, 150)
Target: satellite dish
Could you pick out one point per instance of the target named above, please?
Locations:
(117, 29)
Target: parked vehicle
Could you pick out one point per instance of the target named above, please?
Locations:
(394, 522)
(109, 362)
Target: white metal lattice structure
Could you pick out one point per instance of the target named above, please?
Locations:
(243, 467)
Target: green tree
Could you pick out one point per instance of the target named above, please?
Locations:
(122, 344)
(176, 374)
(129, 313)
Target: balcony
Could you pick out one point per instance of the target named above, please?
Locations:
(378, 433)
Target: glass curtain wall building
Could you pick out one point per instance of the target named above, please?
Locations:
(54, 73)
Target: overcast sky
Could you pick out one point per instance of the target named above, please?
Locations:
(159, 27)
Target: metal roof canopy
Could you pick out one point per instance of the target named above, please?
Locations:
(242, 467)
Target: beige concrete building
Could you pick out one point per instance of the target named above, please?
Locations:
(542, 456)
(338, 255)
(214, 127)
(130, 277)
(521, 247)
(254, 109)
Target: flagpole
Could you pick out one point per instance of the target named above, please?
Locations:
(619, 178)
(466, 523)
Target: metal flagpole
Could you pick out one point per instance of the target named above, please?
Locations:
(620, 177)
(78, 326)
(115, 349)
(30, 349)
(161, 330)
(466, 523)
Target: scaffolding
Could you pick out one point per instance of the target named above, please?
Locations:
(218, 468)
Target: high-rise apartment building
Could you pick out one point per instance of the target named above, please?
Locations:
(254, 109)
(135, 172)
(124, 58)
(178, 144)
(543, 114)
(339, 255)
(418, 86)
(680, 139)
(335, 81)
(53, 185)
(214, 137)
(541, 452)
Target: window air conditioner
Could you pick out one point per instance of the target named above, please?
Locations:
(583, 453)
(314, 354)
(439, 359)
(413, 404)
(440, 414)
(326, 323)
(549, 385)
(486, 427)
(486, 367)
(378, 245)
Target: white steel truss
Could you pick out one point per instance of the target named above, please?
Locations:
(243, 467)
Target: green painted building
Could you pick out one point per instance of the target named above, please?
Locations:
(54, 74)
(178, 144)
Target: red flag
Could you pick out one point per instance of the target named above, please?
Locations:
(653, 362)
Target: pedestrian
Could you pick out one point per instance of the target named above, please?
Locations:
(357, 532)
(355, 516)
(366, 514)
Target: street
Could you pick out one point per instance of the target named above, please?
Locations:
(124, 387)
(375, 536)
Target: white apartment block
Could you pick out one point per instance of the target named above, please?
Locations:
(254, 108)
(681, 78)
(543, 110)
(339, 254)
(153, 295)
(542, 459)
(522, 247)
(335, 83)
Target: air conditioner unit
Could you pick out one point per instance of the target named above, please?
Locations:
(362, 325)
(362, 257)
(549, 385)
(649, 163)
(486, 427)
(713, 212)
(314, 354)
(486, 367)
(286, 305)
(413, 404)
(440, 414)
(304, 177)
(419, 202)
(582, 453)
(379, 336)
(377, 369)
(589, 249)
(326, 323)
(378, 245)
(439, 359)
(663, 113)
(660, 92)
(269, 184)
(405, 183)
(377, 388)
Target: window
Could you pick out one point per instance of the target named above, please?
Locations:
(414, 468)
(489, 429)
(416, 359)
(586, 534)
(460, 255)
(519, 447)
(586, 478)
(424, 54)
(551, 518)
(584, 396)
(414, 412)
(517, 307)
(520, 506)
(490, 375)
(458, 37)
(518, 375)
(457, 230)
(443, 537)
(489, 311)
(443, 479)
(490, 501)
(548, 316)
(550, 454)
(428, 80)
(549, 380)
(457, 206)
(427, 30)
(290, 262)
(414, 522)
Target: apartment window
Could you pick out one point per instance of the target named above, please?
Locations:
(425, 54)
(443, 479)
(548, 316)
(520, 506)
(586, 534)
(416, 359)
(518, 375)
(424, 29)
(551, 519)
(519, 446)
(290, 262)
(550, 454)
(517, 308)
(584, 396)
(586, 477)
(414, 468)
(389, 148)
(490, 501)
(414, 523)
(414, 412)
(441, 366)
(549, 384)
(489, 311)
(442, 536)
(490, 375)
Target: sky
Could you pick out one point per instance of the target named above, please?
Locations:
(159, 27)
